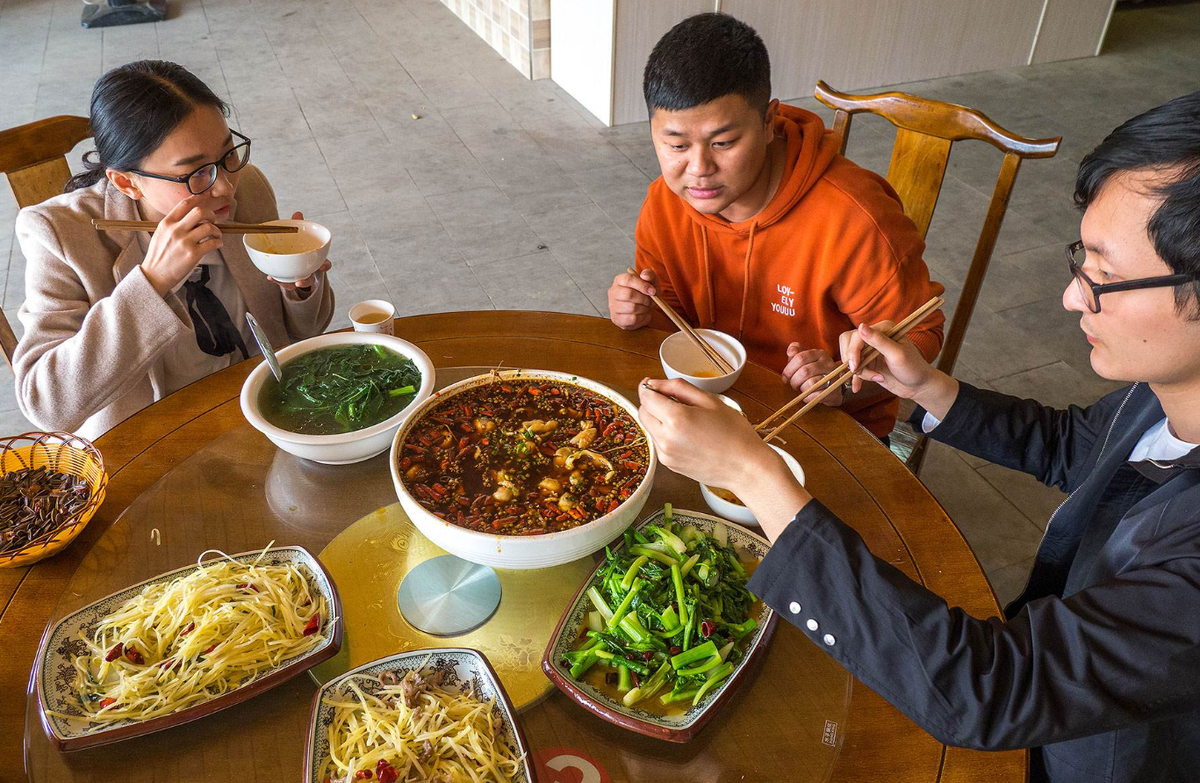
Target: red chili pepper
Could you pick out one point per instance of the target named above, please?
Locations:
(314, 625)
(536, 392)
(647, 655)
(134, 656)
(114, 653)
(675, 649)
(364, 774)
(247, 586)
(211, 647)
(386, 772)
(105, 702)
(706, 628)
(191, 627)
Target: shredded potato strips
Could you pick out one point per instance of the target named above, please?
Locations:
(185, 641)
(414, 729)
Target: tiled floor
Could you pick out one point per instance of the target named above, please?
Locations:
(453, 183)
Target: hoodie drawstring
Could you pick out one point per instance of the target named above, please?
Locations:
(745, 280)
(708, 281)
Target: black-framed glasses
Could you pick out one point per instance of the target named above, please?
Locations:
(205, 176)
(1091, 291)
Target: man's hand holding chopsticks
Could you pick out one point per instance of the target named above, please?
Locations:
(897, 366)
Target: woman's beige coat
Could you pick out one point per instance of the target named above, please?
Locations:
(95, 328)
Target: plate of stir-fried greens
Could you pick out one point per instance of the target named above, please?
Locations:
(660, 634)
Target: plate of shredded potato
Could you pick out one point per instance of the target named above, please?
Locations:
(185, 644)
(437, 715)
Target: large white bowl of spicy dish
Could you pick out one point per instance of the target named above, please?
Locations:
(523, 468)
(343, 395)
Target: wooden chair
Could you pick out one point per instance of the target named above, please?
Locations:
(34, 158)
(925, 131)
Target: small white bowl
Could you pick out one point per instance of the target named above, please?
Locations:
(739, 513)
(346, 447)
(732, 403)
(289, 257)
(682, 359)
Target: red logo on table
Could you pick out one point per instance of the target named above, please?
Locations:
(568, 765)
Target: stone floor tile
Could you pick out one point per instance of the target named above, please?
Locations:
(998, 532)
(1031, 497)
(533, 282)
(1008, 581)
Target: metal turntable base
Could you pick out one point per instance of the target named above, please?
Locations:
(448, 596)
(374, 563)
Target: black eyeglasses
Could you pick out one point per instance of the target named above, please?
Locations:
(1091, 291)
(205, 176)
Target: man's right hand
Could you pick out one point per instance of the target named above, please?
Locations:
(899, 367)
(629, 302)
(185, 235)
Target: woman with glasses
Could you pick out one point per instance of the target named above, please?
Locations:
(1096, 665)
(116, 320)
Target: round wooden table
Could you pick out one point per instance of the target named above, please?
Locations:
(846, 468)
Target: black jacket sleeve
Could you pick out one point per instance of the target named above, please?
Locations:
(1117, 653)
(1051, 445)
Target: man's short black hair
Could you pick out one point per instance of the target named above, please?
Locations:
(1167, 139)
(705, 57)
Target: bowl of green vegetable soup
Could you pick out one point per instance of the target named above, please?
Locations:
(342, 398)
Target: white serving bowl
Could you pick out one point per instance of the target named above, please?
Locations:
(522, 552)
(276, 254)
(682, 359)
(347, 447)
(741, 514)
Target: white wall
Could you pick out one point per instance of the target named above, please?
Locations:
(581, 36)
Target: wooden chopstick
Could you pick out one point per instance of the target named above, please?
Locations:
(226, 228)
(838, 375)
(920, 312)
(709, 352)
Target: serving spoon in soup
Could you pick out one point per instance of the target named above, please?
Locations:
(265, 345)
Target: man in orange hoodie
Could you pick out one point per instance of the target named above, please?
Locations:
(758, 227)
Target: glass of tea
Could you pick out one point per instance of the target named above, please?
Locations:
(373, 315)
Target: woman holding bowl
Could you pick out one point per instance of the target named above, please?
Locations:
(117, 320)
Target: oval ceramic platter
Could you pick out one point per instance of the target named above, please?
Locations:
(58, 704)
(463, 669)
(678, 727)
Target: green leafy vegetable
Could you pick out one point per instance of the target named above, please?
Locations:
(340, 389)
(672, 613)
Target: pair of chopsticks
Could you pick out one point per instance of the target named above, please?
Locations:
(842, 373)
(714, 357)
(226, 228)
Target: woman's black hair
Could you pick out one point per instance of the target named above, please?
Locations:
(134, 108)
(1166, 139)
(705, 57)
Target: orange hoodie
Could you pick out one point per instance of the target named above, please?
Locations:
(832, 249)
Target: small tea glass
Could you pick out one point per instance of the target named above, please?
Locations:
(374, 315)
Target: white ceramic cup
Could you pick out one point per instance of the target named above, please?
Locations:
(374, 315)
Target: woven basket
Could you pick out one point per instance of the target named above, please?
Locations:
(65, 453)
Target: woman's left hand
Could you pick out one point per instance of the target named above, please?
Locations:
(307, 282)
(698, 435)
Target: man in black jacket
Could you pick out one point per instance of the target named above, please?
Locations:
(1097, 664)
